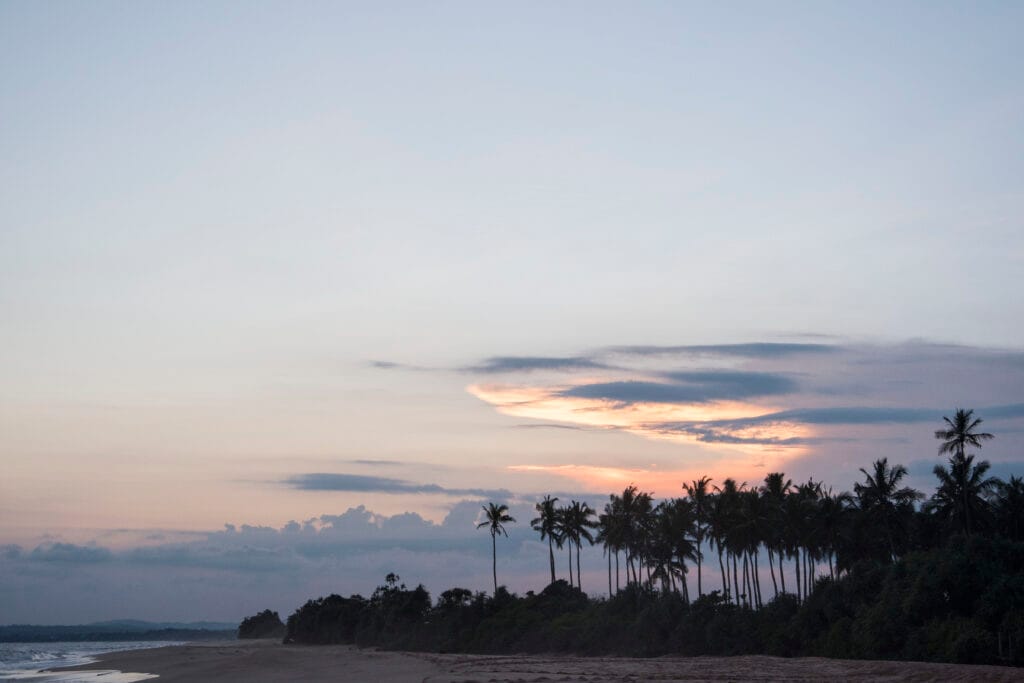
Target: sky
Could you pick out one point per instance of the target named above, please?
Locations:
(288, 290)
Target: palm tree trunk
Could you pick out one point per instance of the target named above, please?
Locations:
(809, 570)
(616, 571)
(796, 558)
(551, 556)
(748, 580)
(735, 581)
(725, 577)
(782, 573)
(569, 546)
(771, 566)
(579, 572)
(831, 571)
(494, 563)
(700, 589)
(609, 572)
(757, 581)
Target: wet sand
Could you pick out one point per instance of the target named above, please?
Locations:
(266, 661)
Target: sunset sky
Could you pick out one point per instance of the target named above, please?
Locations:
(287, 290)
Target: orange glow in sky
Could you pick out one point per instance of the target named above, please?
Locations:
(646, 419)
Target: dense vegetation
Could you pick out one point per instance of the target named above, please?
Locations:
(879, 573)
(266, 624)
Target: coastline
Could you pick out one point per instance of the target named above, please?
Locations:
(266, 661)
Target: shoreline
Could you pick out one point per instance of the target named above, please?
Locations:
(266, 661)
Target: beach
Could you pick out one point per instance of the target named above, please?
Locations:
(266, 661)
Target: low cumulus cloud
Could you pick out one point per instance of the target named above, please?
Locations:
(242, 569)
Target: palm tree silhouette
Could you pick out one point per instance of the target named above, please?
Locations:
(959, 433)
(547, 525)
(885, 503)
(699, 491)
(963, 492)
(774, 491)
(495, 517)
(726, 518)
(578, 521)
(955, 438)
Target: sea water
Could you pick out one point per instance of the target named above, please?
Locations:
(24, 661)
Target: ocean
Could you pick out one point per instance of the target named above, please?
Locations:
(22, 661)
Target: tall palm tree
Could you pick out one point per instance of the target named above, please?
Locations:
(636, 512)
(578, 522)
(833, 513)
(726, 518)
(774, 490)
(563, 535)
(699, 491)
(887, 505)
(495, 517)
(610, 534)
(962, 496)
(718, 524)
(547, 525)
(674, 543)
(959, 433)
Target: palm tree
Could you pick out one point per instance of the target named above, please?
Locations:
(955, 438)
(775, 489)
(547, 525)
(563, 536)
(635, 510)
(698, 491)
(963, 492)
(886, 504)
(718, 523)
(960, 433)
(729, 519)
(833, 512)
(610, 534)
(673, 542)
(578, 522)
(495, 517)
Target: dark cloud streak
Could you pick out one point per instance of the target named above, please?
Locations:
(500, 364)
(357, 483)
(751, 350)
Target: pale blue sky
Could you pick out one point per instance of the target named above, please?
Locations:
(214, 216)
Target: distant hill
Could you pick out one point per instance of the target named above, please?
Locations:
(121, 629)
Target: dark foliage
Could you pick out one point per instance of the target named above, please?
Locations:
(266, 624)
(873, 575)
(963, 602)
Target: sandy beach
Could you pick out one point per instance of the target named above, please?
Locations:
(266, 661)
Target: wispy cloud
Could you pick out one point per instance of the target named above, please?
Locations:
(503, 364)
(376, 463)
(358, 483)
(776, 399)
(750, 350)
(688, 387)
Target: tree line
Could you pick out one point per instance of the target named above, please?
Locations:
(882, 572)
(807, 525)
